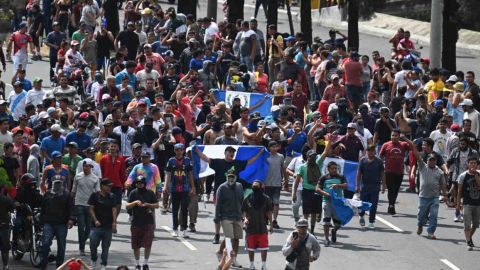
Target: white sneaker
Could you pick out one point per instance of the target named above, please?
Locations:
(185, 234)
(175, 233)
(441, 199)
(103, 267)
(236, 264)
(93, 265)
(371, 226)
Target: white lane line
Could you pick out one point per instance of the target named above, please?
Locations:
(449, 264)
(389, 224)
(185, 242)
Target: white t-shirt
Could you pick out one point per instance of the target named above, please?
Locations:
(76, 57)
(366, 135)
(142, 37)
(4, 138)
(399, 78)
(20, 107)
(279, 88)
(156, 124)
(210, 31)
(293, 166)
(95, 89)
(440, 142)
(411, 92)
(35, 97)
(142, 76)
(475, 117)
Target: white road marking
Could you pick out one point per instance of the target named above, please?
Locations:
(389, 224)
(185, 242)
(449, 264)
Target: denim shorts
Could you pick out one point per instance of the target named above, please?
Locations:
(274, 194)
(117, 191)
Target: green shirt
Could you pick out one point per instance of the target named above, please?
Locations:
(78, 36)
(302, 171)
(72, 164)
(326, 181)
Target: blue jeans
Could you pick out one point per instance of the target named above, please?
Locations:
(320, 90)
(246, 59)
(49, 231)
(370, 194)
(425, 206)
(98, 234)
(355, 94)
(84, 221)
(366, 88)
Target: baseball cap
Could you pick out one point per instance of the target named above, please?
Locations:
(354, 54)
(90, 150)
(141, 178)
(55, 23)
(51, 121)
(466, 102)
(352, 125)
(316, 114)
(452, 78)
(88, 161)
(23, 117)
(146, 11)
(56, 127)
(108, 123)
(145, 154)
(438, 102)
(192, 40)
(290, 38)
(74, 144)
(18, 84)
(302, 223)
(105, 96)
(230, 149)
(74, 43)
(103, 140)
(83, 115)
(50, 110)
(228, 125)
(455, 128)
(43, 115)
(106, 182)
(138, 22)
(426, 60)
(178, 145)
(56, 154)
(138, 94)
(142, 102)
(261, 123)
(23, 25)
(131, 23)
(371, 147)
(431, 156)
(18, 132)
(311, 153)
(37, 79)
(168, 53)
(136, 145)
(149, 65)
(334, 77)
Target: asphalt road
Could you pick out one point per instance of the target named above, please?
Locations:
(392, 245)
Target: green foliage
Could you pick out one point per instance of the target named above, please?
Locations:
(468, 12)
(366, 8)
(4, 181)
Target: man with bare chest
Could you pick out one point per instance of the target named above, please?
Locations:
(215, 132)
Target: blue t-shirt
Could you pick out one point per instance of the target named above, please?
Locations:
(195, 64)
(26, 84)
(371, 171)
(133, 82)
(83, 141)
(51, 145)
(225, 63)
(55, 39)
(179, 170)
(297, 144)
(7, 116)
(159, 48)
(211, 58)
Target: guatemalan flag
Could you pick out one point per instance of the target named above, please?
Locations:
(345, 167)
(345, 208)
(246, 99)
(255, 171)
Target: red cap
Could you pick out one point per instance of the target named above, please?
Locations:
(426, 60)
(455, 128)
(74, 266)
(84, 115)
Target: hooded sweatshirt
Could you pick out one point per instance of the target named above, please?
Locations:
(206, 77)
(33, 165)
(323, 109)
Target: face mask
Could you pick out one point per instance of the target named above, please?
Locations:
(257, 191)
(231, 180)
(312, 161)
(439, 111)
(206, 109)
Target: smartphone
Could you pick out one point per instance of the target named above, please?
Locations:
(419, 140)
(295, 235)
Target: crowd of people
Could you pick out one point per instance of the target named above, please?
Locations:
(149, 101)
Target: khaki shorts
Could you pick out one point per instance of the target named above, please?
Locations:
(4, 37)
(232, 229)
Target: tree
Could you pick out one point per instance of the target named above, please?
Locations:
(290, 21)
(306, 17)
(235, 10)
(187, 7)
(359, 9)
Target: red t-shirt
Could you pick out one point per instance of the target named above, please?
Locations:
(394, 154)
(139, 68)
(20, 43)
(158, 61)
(353, 73)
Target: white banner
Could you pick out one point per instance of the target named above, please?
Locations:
(231, 95)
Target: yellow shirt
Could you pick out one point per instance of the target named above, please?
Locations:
(435, 88)
(270, 44)
(98, 156)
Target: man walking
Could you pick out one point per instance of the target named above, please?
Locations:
(298, 247)
(103, 209)
(142, 202)
(255, 207)
(84, 185)
(431, 180)
(372, 172)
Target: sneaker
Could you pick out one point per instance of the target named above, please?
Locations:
(93, 264)
(216, 239)
(252, 267)
(163, 211)
(441, 199)
(457, 213)
(460, 218)
(169, 210)
(192, 227)
(334, 236)
(275, 225)
(208, 197)
(389, 210)
(326, 243)
(185, 234)
(145, 267)
(138, 267)
(371, 226)
(393, 212)
(103, 267)
(264, 268)
(52, 84)
(175, 233)
(361, 221)
(411, 190)
(419, 230)
(470, 245)
(236, 264)
(82, 253)
(219, 256)
(34, 58)
(39, 57)
(431, 236)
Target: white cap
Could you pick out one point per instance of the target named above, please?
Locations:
(352, 125)
(466, 102)
(88, 161)
(275, 108)
(452, 78)
(56, 127)
(43, 115)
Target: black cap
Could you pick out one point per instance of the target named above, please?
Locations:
(140, 178)
(230, 149)
(51, 121)
(106, 182)
(311, 153)
(146, 154)
(431, 156)
(90, 150)
(272, 143)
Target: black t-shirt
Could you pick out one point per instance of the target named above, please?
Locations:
(221, 167)
(130, 40)
(37, 18)
(7, 207)
(472, 140)
(281, 145)
(256, 216)
(383, 130)
(379, 87)
(353, 146)
(470, 190)
(151, 95)
(169, 84)
(474, 89)
(11, 164)
(396, 105)
(103, 208)
(143, 215)
(177, 48)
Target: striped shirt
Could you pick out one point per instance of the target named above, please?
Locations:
(70, 93)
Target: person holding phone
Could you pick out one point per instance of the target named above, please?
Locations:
(301, 248)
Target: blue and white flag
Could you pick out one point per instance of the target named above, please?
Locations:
(246, 99)
(345, 167)
(255, 171)
(345, 208)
